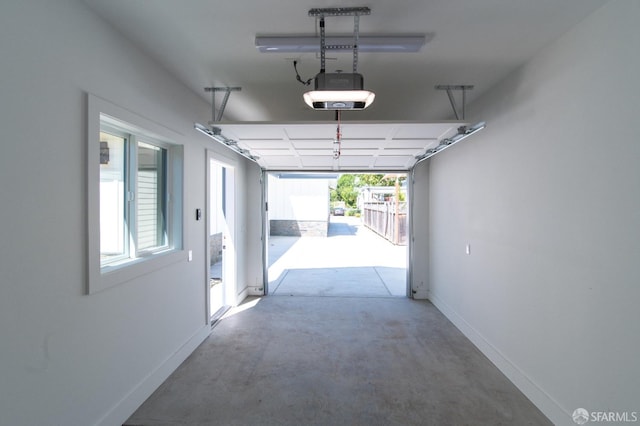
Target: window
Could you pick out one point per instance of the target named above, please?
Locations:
(135, 196)
(151, 205)
(113, 241)
(123, 192)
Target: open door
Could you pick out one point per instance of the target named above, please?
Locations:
(221, 236)
(336, 235)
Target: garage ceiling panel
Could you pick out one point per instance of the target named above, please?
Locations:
(411, 143)
(425, 130)
(317, 162)
(312, 152)
(355, 162)
(264, 144)
(310, 130)
(271, 152)
(400, 152)
(391, 161)
(359, 152)
(312, 143)
(365, 145)
(282, 162)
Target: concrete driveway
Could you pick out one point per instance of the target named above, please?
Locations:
(351, 261)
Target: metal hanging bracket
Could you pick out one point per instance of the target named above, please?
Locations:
(340, 11)
(356, 12)
(216, 118)
(450, 88)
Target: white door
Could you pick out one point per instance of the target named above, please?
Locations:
(221, 236)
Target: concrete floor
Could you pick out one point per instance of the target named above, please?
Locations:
(351, 261)
(336, 361)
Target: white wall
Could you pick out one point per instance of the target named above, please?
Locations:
(419, 230)
(67, 357)
(252, 272)
(548, 197)
(298, 199)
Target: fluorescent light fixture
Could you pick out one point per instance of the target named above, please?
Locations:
(463, 133)
(339, 99)
(366, 43)
(215, 133)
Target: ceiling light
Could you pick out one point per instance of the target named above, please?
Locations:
(339, 99)
(366, 43)
(337, 91)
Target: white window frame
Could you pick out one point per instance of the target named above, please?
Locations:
(135, 188)
(102, 113)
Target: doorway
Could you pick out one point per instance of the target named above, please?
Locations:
(332, 234)
(221, 236)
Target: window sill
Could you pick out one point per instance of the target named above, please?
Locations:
(130, 269)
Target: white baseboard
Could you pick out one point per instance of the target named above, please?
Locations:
(118, 414)
(538, 396)
(242, 295)
(421, 294)
(255, 291)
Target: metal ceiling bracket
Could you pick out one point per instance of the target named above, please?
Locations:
(227, 91)
(450, 88)
(340, 11)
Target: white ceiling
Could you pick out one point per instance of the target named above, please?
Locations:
(207, 43)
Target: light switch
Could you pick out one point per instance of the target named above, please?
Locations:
(468, 249)
(190, 255)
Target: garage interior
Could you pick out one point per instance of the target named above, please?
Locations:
(524, 237)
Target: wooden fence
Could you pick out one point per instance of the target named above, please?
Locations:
(382, 218)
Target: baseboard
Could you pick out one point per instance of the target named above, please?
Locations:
(131, 401)
(420, 294)
(538, 396)
(255, 291)
(242, 295)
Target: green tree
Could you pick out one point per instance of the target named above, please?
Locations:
(333, 195)
(346, 190)
(376, 179)
(372, 180)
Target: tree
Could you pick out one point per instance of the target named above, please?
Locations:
(372, 180)
(348, 184)
(333, 195)
(346, 190)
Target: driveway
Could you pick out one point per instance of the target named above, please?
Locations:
(351, 261)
